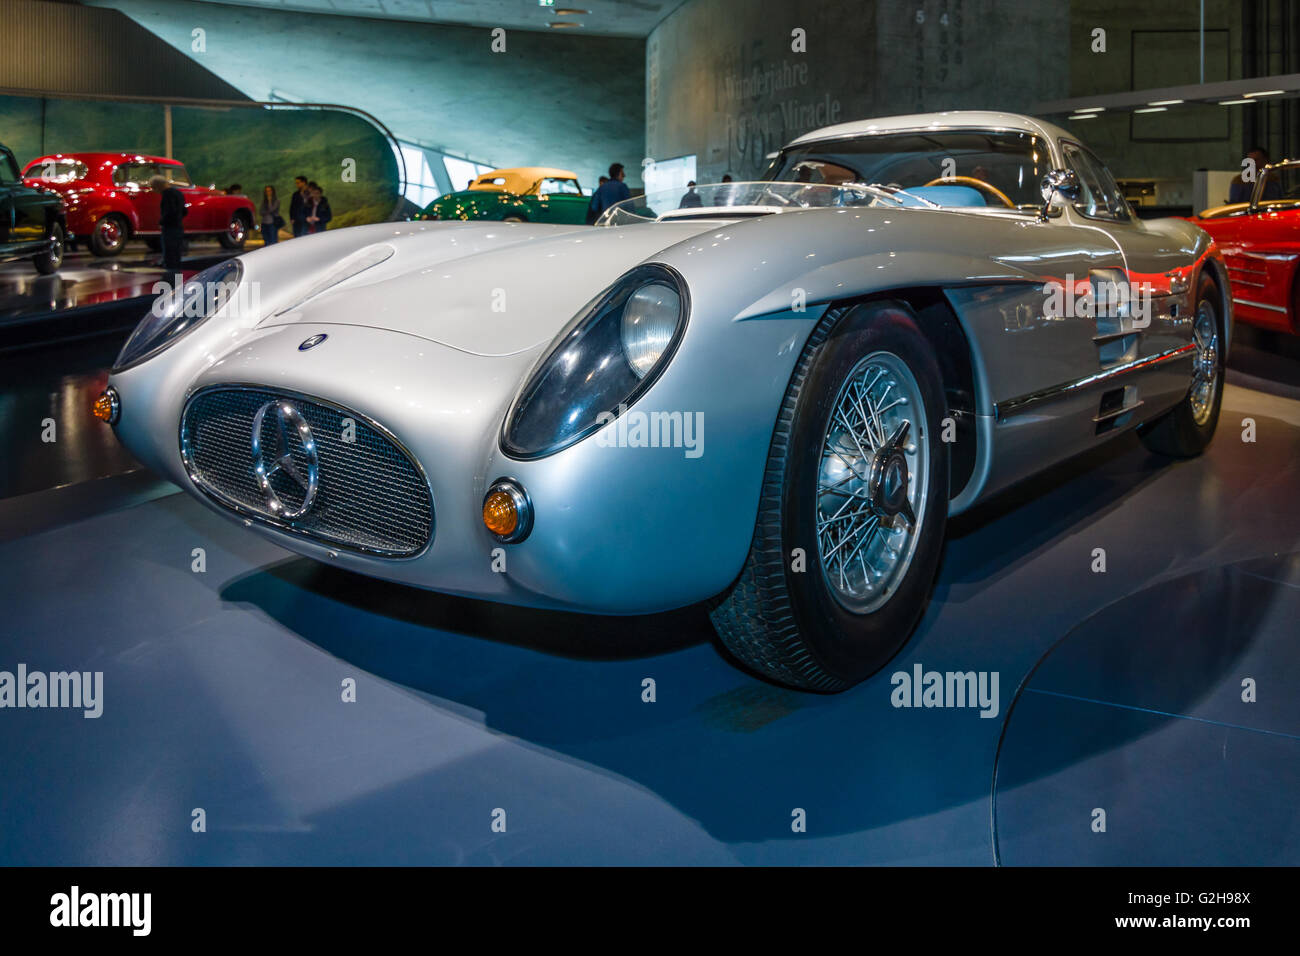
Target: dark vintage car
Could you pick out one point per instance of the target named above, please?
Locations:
(109, 201)
(1260, 241)
(32, 220)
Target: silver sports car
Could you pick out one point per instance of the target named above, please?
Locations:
(769, 396)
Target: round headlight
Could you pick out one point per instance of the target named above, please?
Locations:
(649, 321)
(604, 360)
(178, 311)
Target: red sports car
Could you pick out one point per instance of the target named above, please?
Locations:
(109, 200)
(1260, 241)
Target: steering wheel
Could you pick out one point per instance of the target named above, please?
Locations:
(974, 183)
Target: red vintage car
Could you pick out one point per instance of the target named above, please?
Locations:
(1260, 241)
(109, 200)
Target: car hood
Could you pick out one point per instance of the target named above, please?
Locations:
(484, 288)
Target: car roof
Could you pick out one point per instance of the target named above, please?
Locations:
(519, 178)
(948, 119)
(94, 159)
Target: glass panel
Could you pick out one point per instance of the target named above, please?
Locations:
(1102, 198)
(566, 187)
(987, 165)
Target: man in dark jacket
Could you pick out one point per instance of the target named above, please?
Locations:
(298, 206)
(615, 190)
(316, 211)
(171, 216)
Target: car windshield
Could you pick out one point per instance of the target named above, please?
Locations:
(739, 200)
(1280, 188)
(998, 169)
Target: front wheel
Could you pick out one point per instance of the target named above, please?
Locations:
(1186, 430)
(854, 501)
(109, 234)
(48, 262)
(236, 232)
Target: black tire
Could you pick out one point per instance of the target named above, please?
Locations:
(109, 235)
(1182, 432)
(47, 263)
(787, 624)
(236, 233)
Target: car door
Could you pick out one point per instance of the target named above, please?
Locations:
(200, 216)
(133, 180)
(23, 208)
(561, 200)
(1150, 320)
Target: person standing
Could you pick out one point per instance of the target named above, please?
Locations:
(318, 212)
(271, 219)
(1242, 189)
(610, 192)
(298, 206)
(171, 216)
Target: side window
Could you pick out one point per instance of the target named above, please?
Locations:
(563, 187)
(1102, 198)
(8, 168)
(137, 174)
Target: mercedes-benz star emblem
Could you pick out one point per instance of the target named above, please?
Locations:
(311, 343)
(284, 445)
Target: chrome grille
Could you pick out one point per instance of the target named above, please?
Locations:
(372, 497)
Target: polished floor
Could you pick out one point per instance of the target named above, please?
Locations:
(1119, 692)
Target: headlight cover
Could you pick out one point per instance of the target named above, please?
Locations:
(606, 358)
(177, 312)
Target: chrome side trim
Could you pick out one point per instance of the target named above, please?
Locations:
(1261, 305)
(1023, 403)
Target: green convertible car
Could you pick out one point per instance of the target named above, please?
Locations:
(523, 194)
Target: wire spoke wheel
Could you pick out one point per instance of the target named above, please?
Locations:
(872, 483)
(1205, 371)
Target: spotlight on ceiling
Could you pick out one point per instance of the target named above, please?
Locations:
(563, 24)
(570, 12)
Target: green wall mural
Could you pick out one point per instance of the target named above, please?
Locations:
(223, 145)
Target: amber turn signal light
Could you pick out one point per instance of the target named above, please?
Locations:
(500, 514)
(507, 512)
(107, 407)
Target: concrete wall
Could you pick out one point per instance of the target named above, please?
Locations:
(1156, 44)
(550, 99)
(723, 82)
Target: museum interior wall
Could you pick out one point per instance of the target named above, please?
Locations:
(1149, 46)
(221, 145)
(576, 102)
(723, 82)
(107, 55)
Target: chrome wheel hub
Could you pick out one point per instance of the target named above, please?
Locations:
(236, 229)
(109, 233)
(1205, 363)
(872, 482)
